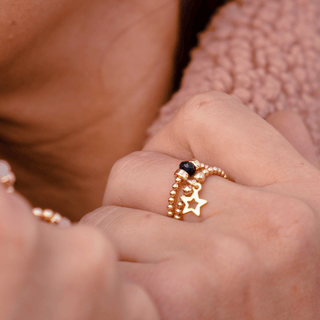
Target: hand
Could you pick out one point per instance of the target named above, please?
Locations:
(255, 251)
(51, 273)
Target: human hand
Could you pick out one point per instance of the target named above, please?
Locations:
(51, 273)
(255, 251)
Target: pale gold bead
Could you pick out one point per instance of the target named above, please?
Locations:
(178, 179)
(219, 171)
(48, 214)
(171, 200)
(225, 176)
(187, 190)
(180, 205)
(170, 214)
(210, 169)
(9, 179)
(173, 193)
(222, 173)
(37, 212)
(175, 186)
(200, 177)
(196, 163)
(170, 207)
(10, 189)
(192, 182)
(182, 174)
(65, 223)
(178, 211)
(202, 165)
(215, 170)
(57, 218)
(206, 172)
(177, 217)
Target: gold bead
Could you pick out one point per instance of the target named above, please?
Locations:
(200, 177)
(37, 212)
(173, 193)
(215, 170)
(225, 176)
(196, 163)
(48, 214)
(178, 179)
(171, 200)
(177, 217)
(187, 190)
(206, 172)
(222, 173)
(180, 205)
(65, 223)
(182, 174)
(175, 186)
(170, 207)
(178, 212)
(170, 214)
(57, 218)
(210, 169)
(202, 165)
(192, 182)
(10, 189)
(219, 171)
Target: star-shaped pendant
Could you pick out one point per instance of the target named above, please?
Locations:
(195, 196)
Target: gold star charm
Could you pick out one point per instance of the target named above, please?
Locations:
(195, 196)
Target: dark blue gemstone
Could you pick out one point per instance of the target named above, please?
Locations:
(188, 167)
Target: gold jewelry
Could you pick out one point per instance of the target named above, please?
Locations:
(49, 216)
(189, 177)
(8, 179)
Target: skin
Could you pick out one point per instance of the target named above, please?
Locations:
(254, 252)
(47, 272)
(73, 77)
(64, 93)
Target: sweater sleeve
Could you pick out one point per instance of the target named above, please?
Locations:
(264, 52)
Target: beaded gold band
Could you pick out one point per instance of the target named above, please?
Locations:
(8, 179)
(189, 178)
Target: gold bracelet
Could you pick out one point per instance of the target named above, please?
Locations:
(8, 179)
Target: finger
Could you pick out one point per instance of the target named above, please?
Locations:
(144, 180)
(18, 240)
(139, 235)
(291, 126)
(217, 129)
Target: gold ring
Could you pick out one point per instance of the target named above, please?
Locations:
(189, 178)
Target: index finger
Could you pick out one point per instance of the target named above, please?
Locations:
(219, 130)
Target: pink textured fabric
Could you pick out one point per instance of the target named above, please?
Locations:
(264, 52)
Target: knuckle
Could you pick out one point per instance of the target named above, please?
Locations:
(295, 220)
(118, 190)
(291, 236)
(116, 180)
(199, 107)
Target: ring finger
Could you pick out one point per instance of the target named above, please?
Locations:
(144, 180)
